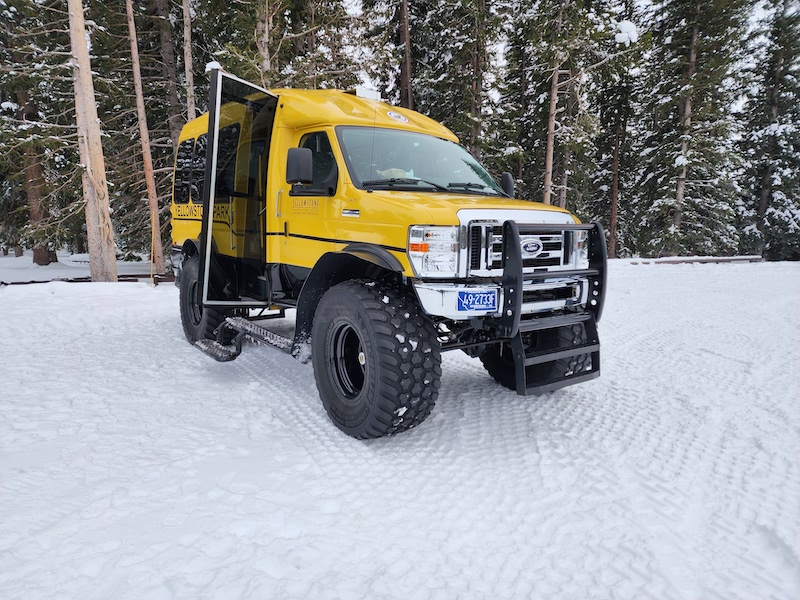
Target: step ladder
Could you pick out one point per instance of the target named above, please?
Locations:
(523, 359)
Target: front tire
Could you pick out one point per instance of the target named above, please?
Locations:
(199, 323)
(377, 361)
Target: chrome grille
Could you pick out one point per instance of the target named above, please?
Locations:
(490, 260)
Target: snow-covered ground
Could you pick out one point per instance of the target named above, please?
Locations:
(69, 266)
(132, 466)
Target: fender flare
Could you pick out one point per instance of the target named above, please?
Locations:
(190, 248)
(180, 253)
(356, 261)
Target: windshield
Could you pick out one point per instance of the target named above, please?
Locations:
(396, 159)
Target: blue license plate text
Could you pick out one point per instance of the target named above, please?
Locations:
(485, 300)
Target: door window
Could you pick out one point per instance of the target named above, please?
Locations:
(326, 173)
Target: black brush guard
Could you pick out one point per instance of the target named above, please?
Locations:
(513, 326)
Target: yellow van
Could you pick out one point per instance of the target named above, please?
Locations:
(389, 240)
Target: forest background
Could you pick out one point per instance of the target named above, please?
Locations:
(675, 123)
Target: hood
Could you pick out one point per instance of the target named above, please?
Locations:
(442, 208)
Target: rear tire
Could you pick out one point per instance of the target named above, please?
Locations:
(377, 360)
(199, 323)
(499, 360)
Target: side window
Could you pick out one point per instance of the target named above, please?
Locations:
(183, 172)
(326, 173)
(226, 159)
(199, 169)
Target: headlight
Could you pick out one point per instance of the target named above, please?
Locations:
(433, 251)
(580, 250)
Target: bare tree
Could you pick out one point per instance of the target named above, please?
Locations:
(188, 64)
(167, 49)
(102, 258)
(558, 60)
(406, 95)
(147, 158)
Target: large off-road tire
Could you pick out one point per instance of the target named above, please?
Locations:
(198, 323)
(377, 361)
(499, 360)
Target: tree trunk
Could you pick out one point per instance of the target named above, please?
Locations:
(33, 180)
(187, 60)
(102, 259)
(264, 30)
(686, 124)
(155, 224)
(562, 190)
(551, 118)
(566, 160)
(523, 86)
(476, 99)
(406, 95)
(765, 193)
(170, 73)
(612, 233)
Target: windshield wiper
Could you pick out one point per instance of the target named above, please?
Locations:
(472, 185)
(402, 181)
(469, 185)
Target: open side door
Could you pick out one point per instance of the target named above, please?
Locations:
(233, 250)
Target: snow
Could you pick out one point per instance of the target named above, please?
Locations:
(69, 266)
(213, 65)
(627, 33)
(133, 466)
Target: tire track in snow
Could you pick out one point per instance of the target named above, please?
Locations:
(163, 474)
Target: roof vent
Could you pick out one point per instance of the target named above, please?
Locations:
(360, 92)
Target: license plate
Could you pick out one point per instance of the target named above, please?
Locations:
(484, 300)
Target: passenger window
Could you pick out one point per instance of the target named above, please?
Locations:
(199, 169)
(326, 174)
(183, 172)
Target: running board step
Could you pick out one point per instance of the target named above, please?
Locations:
(243, 328)
(217, 351)
(257, 333)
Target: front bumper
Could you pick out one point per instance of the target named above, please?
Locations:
(460, 301)
(523, 293)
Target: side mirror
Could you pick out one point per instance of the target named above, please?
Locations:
(299, 166)
(507, 183)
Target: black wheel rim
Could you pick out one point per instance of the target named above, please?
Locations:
(347, 358)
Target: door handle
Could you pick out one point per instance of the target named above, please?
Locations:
(278, 197)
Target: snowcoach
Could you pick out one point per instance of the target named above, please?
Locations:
(390, 243)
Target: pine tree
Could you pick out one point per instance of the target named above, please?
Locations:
(770, 210)
(281, 43)
(612, 99)
(553, 46)
(38, 137)
(684, 191)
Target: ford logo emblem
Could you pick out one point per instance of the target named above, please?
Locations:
(533, 246)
